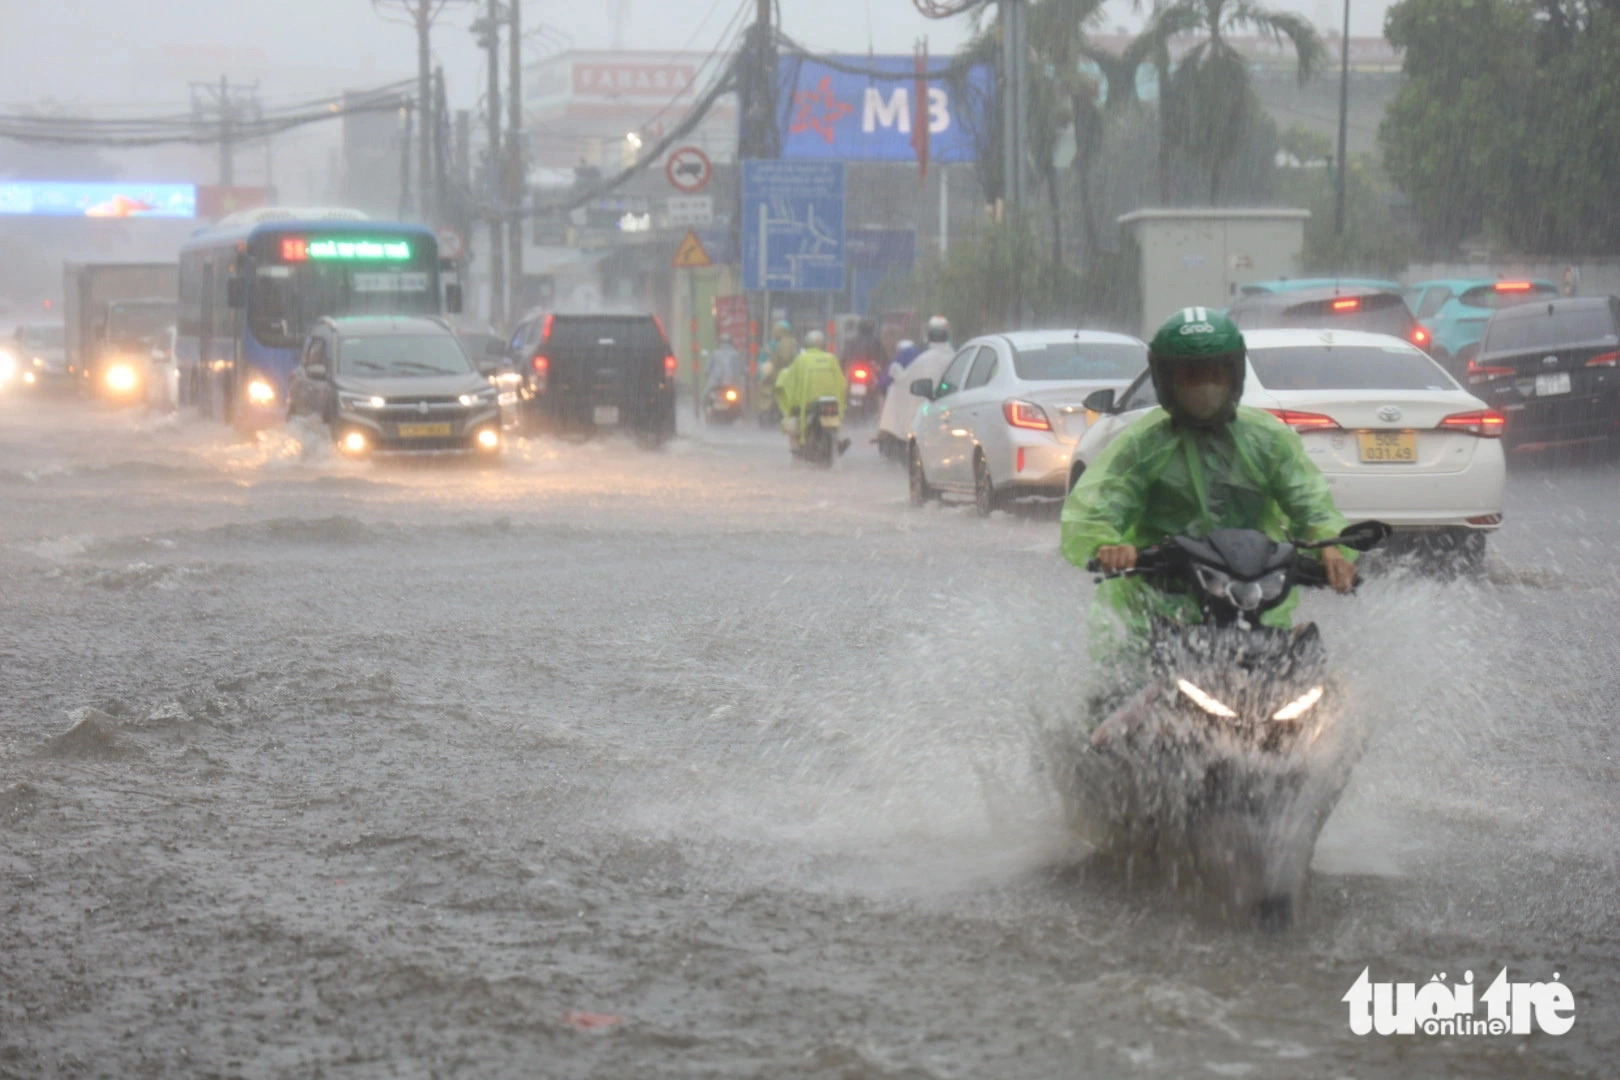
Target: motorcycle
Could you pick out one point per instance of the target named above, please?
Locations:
(722, 404)
(864, 399)
(820, 444)
(1233, 755)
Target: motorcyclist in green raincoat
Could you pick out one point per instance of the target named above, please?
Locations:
(1198, 463)
(814, 373)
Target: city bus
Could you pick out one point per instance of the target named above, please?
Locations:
(251, 286)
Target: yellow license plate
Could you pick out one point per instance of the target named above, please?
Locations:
(424, 431)
(1388, 447)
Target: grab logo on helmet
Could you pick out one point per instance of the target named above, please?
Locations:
(1197, 321)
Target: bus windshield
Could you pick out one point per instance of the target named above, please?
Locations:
(290, 293)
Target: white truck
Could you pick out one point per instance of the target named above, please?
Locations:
(117, 316)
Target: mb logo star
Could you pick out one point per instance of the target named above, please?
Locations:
(819, 111)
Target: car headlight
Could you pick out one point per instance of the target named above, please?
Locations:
(260, 392)
(8, 366)
(121, 378)
(351, 402)
(1299, 706)
(1204, 701)
(480, 397)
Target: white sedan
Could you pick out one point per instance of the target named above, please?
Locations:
(1397, 438)
(1003, 419)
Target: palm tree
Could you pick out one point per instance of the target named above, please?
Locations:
(1206, 100)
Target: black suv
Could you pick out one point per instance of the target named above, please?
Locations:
(1375, 311)
(585, 373)
(396, 383)
(1551, 367)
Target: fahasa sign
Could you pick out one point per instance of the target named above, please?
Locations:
(836, 115)
(616, 79)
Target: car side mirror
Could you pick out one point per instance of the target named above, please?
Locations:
(315, 372)
(235, 294)
(923, 388)
(1100, 401)
(452, 298)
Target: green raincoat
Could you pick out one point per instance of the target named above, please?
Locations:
(1158, 479)
(814, 374)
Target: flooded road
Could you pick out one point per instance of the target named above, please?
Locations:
(604, 763)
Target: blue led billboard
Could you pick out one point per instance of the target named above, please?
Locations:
(52, 198)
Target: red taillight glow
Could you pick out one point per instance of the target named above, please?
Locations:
(545, 328)
(859, 374)
(1420, 336)
(541, 364)
(1478, 372)
(1020, 459)
(1608, 359)
(1027, 415)
(1513, 286)
(1486, 423)
(294, 249)
(1349, 304)
(671, 364)
(1305, 421)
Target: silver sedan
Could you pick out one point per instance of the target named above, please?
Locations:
(1003, 419)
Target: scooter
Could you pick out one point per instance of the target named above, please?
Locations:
(1233, 755)
(820, 444)
(723, 405)
(864, 399)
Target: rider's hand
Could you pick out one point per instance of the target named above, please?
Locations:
(1340, 573)
(1117, 557)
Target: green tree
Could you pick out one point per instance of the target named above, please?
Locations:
(1206, 100)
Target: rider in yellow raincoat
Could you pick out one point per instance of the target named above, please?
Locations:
(814, 373)
(1200, 462)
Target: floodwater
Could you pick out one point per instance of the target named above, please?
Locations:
(605, 763)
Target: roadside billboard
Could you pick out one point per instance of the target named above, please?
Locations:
(54, 198)
(830, 113)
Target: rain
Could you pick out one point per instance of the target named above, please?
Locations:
(563, 541)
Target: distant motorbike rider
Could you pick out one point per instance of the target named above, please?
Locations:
(900, 407)
(904, 353)
(813, 374)
(726, 366)
(865, 348)
(1198, 463)
(783, 350)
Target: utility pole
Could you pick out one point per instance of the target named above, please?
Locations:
(421, 14)
(488, 30)
(1014, 105)
(1344, 124)
(758, 89)
(441, 152)
(227, 105)
(514, 159)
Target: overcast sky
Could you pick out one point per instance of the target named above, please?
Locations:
(102, 53)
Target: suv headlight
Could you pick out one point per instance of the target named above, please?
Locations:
(356, 402)
(481, 397)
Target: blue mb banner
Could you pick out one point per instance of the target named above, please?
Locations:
(830, 114)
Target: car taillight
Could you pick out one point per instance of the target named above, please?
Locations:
(1608, 359)
(859, 374)
(671, 364)
(1478, 372)
(1305, 421)
(1513, 286)
(1486, 423)
(541, 364)
(1026, 414)
(545, 328)
(1421, 337)
(1349, 304)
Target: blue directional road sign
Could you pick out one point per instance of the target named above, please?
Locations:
(793, 226)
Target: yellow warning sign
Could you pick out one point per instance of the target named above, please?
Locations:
(691, 255)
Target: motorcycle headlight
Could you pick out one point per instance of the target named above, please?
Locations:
(260, 392)
(1299, 706)
(1204, 701)
(351, 402)
(480, 397)
(121, 378)
(1273, 585)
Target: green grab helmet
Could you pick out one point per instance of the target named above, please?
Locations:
(1196, 335)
